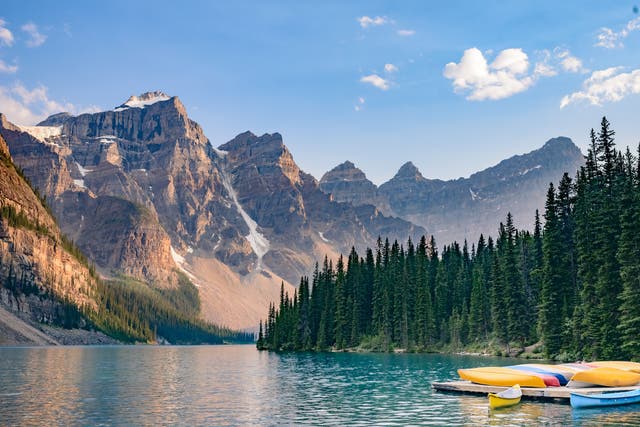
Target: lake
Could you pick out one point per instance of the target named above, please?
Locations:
(237, 385)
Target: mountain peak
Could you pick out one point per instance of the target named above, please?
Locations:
(409, 170)
(56, 119)
(560, 142)
(348, 165)
(144, 100)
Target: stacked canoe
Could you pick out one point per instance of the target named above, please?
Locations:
(574, 375)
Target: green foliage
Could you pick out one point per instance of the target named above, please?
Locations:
(132, 311)
(572, 286)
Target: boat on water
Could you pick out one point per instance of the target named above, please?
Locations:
(506, 398)
(579, 400)
(502, 377)
(604, 376)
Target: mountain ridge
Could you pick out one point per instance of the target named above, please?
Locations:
(458, 209)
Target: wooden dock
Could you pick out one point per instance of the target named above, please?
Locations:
(547, 393)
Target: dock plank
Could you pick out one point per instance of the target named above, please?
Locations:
(531, 392)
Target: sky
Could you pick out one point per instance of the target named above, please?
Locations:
(454, 86)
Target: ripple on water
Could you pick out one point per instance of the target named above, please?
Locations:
(236, 385)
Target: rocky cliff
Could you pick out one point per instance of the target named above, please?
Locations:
(463, 208)
(41, 274)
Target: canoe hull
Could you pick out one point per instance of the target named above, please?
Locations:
(608, 377)
(497, 402)
(501, 377)
(604, 399)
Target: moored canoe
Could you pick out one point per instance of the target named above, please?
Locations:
(506, 398)
(579, 400)
(551, 379)
(608, 377)
(502, 377)
(565, 371)
(618, 364)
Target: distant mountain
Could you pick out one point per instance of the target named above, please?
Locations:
(143, 193)
(462, 208)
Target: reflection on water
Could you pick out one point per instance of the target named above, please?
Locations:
(231, 385)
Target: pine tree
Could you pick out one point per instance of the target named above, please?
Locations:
(550, 309)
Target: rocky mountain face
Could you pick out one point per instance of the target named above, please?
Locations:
(142, 192)
(463, 208)
(39, 272)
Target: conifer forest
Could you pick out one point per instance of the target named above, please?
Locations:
(572, 284)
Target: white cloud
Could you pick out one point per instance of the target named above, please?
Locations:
(367, 21)
(569, 62)
(6, 68)
(610, 39)
(572, 64)
(406, 33)
(504, 77)
(6, 37)
(390, 68)
(36, 38)
(361, 100)
(376, 80)
(544, 68)
(27, 107)
(609, 85)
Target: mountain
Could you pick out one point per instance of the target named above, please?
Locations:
(462, 208)
(144, 194)
(44, 278)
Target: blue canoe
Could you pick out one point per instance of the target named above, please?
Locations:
(561, 379)
(579, 400)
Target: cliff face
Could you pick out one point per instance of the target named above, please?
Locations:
(297, 219)
(463, 208)
(38, 271)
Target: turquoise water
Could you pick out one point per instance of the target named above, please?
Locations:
(237, 385)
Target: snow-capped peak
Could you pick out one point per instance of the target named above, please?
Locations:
(143, 100)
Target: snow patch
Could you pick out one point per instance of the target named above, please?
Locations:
(42, 133)
(181, 263)
(219, 152)
(474, 195)
(526, 171)
(79, 183)
(83, 171)
(322, 237)
(143, 100)
(258, 242)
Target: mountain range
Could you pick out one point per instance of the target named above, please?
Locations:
(463, 208)
(145, 195)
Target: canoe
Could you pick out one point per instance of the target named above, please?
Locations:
(551, 379)
(608, 377)
(508, 397)
(618, 364)
(579, 400)
(565, 371)
(502, 377)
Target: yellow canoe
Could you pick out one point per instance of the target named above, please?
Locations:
(508, 397)
(618, 364)
(502, 377)
(604, 376)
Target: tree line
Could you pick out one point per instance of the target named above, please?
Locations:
(572, 285)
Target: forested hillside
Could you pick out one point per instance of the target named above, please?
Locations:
(572, 284)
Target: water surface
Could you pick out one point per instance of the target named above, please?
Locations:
(237, 385)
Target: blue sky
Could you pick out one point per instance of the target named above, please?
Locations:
(453, 87)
